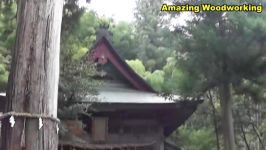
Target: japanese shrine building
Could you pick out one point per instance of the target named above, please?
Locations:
(129, 113)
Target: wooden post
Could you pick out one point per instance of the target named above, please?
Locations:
(33, 80)
(159, 145)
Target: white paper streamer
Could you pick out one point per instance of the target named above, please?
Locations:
(40, 123)
(57, 129)
(12, 121)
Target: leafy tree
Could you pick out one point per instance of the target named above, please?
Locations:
(124, 39)
(76, 77)
(193, 139)
(155, 37)
(137, 66)
(7, 38)
(155, 78)
(71, 14)
(230, 53)
(178, 81)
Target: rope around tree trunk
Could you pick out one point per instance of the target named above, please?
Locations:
(28, 115)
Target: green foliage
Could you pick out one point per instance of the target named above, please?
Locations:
(155, 79)
(154, 35)
(3, 77)
(3, 72)
(82, 36)
(137, 66)
(262, 128)
(168, 80)
(76, 78)
(230, 50)
(86, 30)
(75, 83)
(124, 40)
(199, 131)
(225, 49)
(71, 15)
(197, 139)
(7, 38)
(178, 81)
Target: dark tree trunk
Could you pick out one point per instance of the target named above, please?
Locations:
(33, 80)
(227, 117)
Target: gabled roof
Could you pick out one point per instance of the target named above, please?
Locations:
(141, 101)
(170, 115)
(103, 52)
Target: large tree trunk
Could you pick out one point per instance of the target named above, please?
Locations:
(33, 80)
(214, 118)
(227, 117)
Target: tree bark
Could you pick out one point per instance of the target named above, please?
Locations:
(33, 79)
(227, 117)
(214, 118)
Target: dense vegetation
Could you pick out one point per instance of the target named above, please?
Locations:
(218, 56)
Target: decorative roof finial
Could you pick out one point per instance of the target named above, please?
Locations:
(103, 31)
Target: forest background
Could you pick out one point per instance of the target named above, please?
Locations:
(214, 55)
